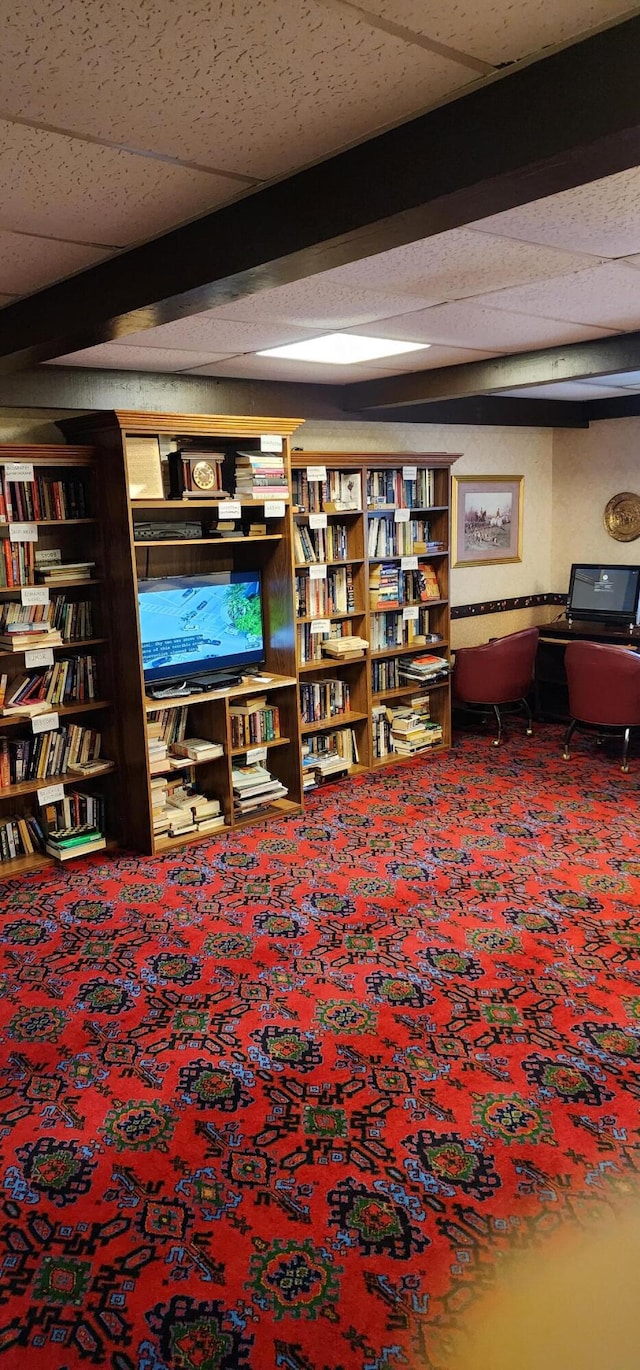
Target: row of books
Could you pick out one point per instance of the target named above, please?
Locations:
(17, 563)
(390, 587)
(165, 727)
(310, 644)
(77, 808)
(390, 489)
(261, 475)
(391, 629)
(48, 754)
(71, 681)
(254, 788)
(254, 722)
(178, 808)
(72, 619)
(384, 675)
(338, 492)
(321, 699)
(42, 498)
(334, 594)
(320, 544)
(386, 538)
(327, 756)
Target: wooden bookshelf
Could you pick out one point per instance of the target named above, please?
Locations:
(133, 557)
(70, 472)
(312, 497)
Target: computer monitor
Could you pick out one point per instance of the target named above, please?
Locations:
(605, 594)
(193, 626)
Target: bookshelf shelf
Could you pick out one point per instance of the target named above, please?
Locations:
(162, 843)
(398, 759)
(254, 746)
(343, 561)
(402, 691)
(422, 556)
(303, 515)
(231, 692)
(395, 608)
(275, 810)
(62, 710)
(409, 648)
(333, 618)
(61, 647)
(326, 725)
(210, 504)
(49, 523)
(22, 787)
(66, 584)
(206, 542)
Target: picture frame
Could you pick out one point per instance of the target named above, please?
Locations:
(487, 516)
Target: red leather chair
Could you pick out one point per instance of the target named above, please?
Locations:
(496, 675)
(604, 691)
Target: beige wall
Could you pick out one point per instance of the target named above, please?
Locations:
(485, 452)
(30, 425)
(589, 466)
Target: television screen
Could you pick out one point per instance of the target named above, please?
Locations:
(604, 592)
(193, 625)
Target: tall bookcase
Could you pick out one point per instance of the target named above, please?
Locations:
(133, 557)
(383, 521)
(60, 482)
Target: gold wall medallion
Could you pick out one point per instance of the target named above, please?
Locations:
(622, 517)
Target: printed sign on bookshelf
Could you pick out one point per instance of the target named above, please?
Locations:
(320, 625)
(401, 515)
(316, 473)
(34, 594)
(23, 532)
(42, 656)
(19, 470)
(45, 723)
(317, 520)
(230, 509)
(50, 794)
(318, 571)
(410, 612)
(409, 473)
(409, 563)
(256, 754)
(274, 508)
(271, 442)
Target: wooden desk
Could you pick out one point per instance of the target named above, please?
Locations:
(551, 694)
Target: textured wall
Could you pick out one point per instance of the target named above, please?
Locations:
(589, 466)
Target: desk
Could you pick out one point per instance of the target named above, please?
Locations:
(551, 695)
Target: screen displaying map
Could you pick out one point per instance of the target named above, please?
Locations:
(192, 624)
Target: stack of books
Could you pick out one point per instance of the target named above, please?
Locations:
(63, 571)
(22, 635)
(66, 843)
(195, 749)
(179, 809)
(345, 648)
(327, 756)
(261, 475)
(412, 729)
(254, 788)
(426, 667)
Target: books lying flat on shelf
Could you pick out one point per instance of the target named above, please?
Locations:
(261, 475)
(66, 848)
(254, 787)
(18, 637)
(178, 808)
(70, 570)
(425, 667)
(197, 749)
(344, 648)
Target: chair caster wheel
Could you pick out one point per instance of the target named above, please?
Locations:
(529, 732)
(625, 769)
(496, 742)
(565, 756)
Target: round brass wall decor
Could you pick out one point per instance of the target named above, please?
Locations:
(622, 517)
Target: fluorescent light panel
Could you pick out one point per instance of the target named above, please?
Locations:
(342, 349)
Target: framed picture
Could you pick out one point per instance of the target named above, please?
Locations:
(487, 519)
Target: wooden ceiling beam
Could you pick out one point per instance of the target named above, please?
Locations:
(567, 119)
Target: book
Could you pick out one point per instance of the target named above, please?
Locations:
(75, 849)
(197, 749)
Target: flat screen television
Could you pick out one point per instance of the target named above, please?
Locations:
(606, 594)
(195, 626)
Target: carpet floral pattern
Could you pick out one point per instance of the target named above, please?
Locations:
(283, 1100)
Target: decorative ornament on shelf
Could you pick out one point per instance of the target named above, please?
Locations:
(622, 517)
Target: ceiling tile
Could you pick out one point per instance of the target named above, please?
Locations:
(563, 390)
(602, 217)
(276, 369)
(434, 357)
(607, 296)
(627, 379)
(251, 88)
(497, 30)
(318, 302)
(470, 325)
(454, 265)
(65, 188)
(207, 332)
(27, 264)
(116, 357)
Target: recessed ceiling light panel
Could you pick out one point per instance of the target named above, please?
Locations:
(342, 349)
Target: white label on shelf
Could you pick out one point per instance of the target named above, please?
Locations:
(316, 473)
(23, 532)
(45, 723)
(317, 520)
(271, 442)
(409, 473)
(320, 625)
(256, 754)
(274, 508)
(230, 509)
(42, 656)
(318, 571)
(409, 563)
(401, 515)
(50, 794)
(410, 611)
(19, 470)
(34, 594)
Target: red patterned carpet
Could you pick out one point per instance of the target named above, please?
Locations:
(285, 1101)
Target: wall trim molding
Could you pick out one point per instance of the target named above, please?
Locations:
(501, 606)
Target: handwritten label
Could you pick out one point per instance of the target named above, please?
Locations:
(410, 611)
(34, 594)
(19, 470)
(42, 656)
(317, 520)
(320, 625)
(316, 473)
(318, 571)
(256, 754)
(274, 509)
(45, 723)
(408, 563)
(271, 442)
(409, 473)
(401, 515)
(23, 532)
(50, 794)
(230, 509)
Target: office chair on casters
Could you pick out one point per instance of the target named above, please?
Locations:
(604, 692)
(496, 676)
